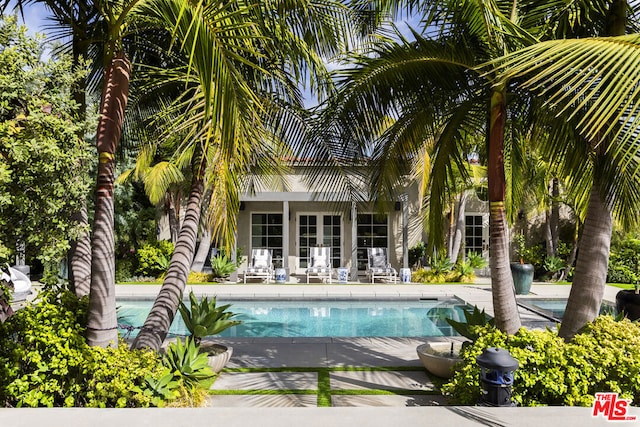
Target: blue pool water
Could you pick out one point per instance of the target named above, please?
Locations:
(555, 307)
(322, 318)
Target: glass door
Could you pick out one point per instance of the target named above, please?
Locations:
(316, 229)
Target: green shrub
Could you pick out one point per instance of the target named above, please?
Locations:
(424, 275)
(605, 357)
(417, 254)
(624, 261)
(196, 277)
(124, 269)
(153, 259)
(45, 361)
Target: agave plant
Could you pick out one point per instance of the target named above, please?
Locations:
(222, 266)
(204, 318)
(186, 362)
(473, 318)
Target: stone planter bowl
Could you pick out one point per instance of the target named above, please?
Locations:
(437, 357)
(218, 355)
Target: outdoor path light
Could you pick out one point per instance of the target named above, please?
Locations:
(496, 376)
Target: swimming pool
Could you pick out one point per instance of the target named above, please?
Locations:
(321, 318)
(553, 308)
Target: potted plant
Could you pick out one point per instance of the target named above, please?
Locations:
(202, 319)
(440, 355)
(628, 300)
(522, 272)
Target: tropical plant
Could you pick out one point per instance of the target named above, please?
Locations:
(553, 265)
(476, 260)
(520, 246)
(163, 389)
(221, 266)
(465, 271)
(474, 321)
(187, 363)
(203, 318)
(231, 118)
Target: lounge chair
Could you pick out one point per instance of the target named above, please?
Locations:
(378, 266)
(261, 265)
(320, 264)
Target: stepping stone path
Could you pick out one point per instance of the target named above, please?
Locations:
(324, 387)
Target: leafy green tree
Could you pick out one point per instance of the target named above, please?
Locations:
(42, 178)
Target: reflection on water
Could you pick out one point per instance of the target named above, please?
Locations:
(304, 318)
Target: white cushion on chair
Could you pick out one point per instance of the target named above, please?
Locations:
(261, 261)
(319, 261)
(378, 261)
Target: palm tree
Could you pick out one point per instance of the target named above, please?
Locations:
(597, 93)
(234, 85)
(429, 93)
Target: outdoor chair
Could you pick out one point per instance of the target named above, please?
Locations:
(320, 264)
(378, 266)
(260, 266)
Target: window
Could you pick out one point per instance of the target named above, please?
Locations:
(473, 232)
(373, 232)
(266, 233)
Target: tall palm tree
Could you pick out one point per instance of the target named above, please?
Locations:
(249, 56)
(408, 95)
(597, 92)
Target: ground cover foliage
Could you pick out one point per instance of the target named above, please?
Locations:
(45, 361)
(603, 357)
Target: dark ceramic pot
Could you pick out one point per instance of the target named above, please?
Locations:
(522, 277)
(628, 301)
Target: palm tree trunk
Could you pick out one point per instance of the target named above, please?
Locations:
(590, 275)
(459, 226)
(203, 251)
(555, 215)
(505, 309)
(102, 323)
(79, 254)
(548, 234)
(80, 257)
(574, 250)
(164, 309)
